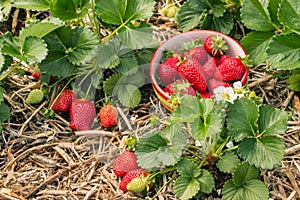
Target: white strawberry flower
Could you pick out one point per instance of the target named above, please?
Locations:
(225, 93)
(238, 88)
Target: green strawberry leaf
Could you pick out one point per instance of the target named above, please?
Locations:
(6, 6)
(243, 173)
(265, 152)
(222, 24)
(209, 127)
(206, 180)
(228, 162)
(68, 48)
(199, 5)
(253, 189)
(128, 64)
(255, 15)
(272, 120)
(294, 80)
(284, 52)
(256, 44)
(110, 84)
(246, 112)
(187, 112)
(32, 50)
(36, 5)
(4, 112)
(289, 14)
(160, 149)
(187, 167)
(69, 9)
(273, 9)
(39, 29)
(2, 61)
(186, 187)
(129, 95)
(137, 38)
(187, 17)
(122, 11)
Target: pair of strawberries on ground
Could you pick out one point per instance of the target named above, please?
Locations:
(83, 112)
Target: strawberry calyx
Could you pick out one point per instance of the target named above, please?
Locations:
(190, 45)
(138, 184)
(215, 45)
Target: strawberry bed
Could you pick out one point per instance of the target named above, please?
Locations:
(44, 158)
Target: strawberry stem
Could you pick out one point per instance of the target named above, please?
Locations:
(4, 76)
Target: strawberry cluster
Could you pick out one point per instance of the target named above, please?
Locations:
(82, 112)
(134, 178)
(203, 66)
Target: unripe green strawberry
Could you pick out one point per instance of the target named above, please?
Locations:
(130, 176)
(108, 116)
(169, 11)
(138, 184)
(35, 96)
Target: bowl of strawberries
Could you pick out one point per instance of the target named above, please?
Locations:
(196, 63)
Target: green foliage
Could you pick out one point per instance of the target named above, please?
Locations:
(245, 185)
(275, 37)
(68, 48)
(294, 80)
(203, 14)
(192, 179)
(228, 162)
(36, 5)
(255, 129)
(122, 11)
(160, 149)
(69, 9)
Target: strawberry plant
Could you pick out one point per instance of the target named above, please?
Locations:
(236, 135)
(275, 35)
(69, 46)
(216, 15)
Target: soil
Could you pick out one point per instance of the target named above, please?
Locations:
(43, 158)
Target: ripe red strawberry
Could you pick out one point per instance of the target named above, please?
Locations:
(232, 69)
(130, 176)
(82, 114)
(206, 95)
(108, 116)
(36, 75)
(171, 88)
(215, 45)
(124, 163)
(213, 84)
(64, 101)
(190, 69)
(210, 67)
(222, 59)
(195, 50)
(167, 71)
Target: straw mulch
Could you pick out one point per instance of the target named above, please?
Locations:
(43, 158)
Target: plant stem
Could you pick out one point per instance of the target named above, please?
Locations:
(162, 172)
(116, 30)
(94, 21)
(5, 75)
(231, 148)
